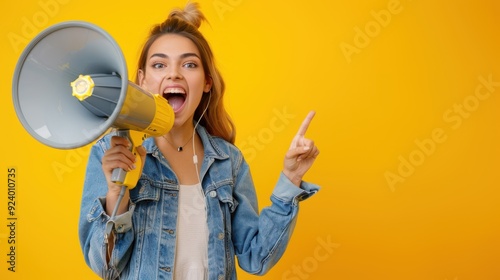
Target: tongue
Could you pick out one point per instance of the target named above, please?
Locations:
(176, 101)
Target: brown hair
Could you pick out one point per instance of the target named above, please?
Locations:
(186, 23)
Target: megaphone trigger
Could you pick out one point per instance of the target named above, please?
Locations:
(130, 178)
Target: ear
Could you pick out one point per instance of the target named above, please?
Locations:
(208, 84)
(140, 77)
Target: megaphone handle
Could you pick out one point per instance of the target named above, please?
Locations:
(130, 178)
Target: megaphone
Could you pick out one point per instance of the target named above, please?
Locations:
(71, 86)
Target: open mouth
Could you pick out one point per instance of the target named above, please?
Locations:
(176, 97)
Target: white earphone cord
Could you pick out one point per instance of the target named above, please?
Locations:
(195, 157)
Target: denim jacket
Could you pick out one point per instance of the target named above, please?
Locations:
(145, 236)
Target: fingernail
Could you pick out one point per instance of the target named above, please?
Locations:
(306, 148)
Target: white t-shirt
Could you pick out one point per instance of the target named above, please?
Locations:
(191, 256)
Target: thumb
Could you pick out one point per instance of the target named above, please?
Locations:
(141, 151)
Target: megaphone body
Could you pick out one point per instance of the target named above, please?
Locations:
(71, 86)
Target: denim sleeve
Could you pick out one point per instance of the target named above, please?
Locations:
(261, 240)
(93, 219)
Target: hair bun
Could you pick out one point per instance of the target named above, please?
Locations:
(191, 14)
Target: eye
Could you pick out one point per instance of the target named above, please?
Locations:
(190, 65)
(158, 65)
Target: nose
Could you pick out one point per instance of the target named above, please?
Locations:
(173, 73)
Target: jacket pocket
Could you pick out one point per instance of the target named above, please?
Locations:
(225, 195)
(145, 196)
(144, 191)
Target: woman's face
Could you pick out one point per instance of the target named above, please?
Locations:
(174, 70)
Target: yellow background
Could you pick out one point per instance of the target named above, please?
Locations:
(375, 100)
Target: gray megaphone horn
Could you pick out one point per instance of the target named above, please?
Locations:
(71, 85)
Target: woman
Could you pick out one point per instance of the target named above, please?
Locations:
(194, 208)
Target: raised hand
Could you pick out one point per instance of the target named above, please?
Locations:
(301, 154)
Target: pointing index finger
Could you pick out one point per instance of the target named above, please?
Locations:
(305, 123)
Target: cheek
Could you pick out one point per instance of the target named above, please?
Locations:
(152, 81)
(197, 81)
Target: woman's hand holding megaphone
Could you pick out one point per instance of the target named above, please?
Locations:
(119, 155)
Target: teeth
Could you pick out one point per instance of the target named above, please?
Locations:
(174, 90)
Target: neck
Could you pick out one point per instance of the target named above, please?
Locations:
(180, 137)
(182, 133)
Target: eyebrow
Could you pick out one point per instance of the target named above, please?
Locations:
(184, 55)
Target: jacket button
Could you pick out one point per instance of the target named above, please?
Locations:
(221, 277)
(221, 236)
(213, 194)
(167, 269)
(170, 231)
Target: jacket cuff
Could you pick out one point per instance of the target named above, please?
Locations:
(123, 222)
(286, 191)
